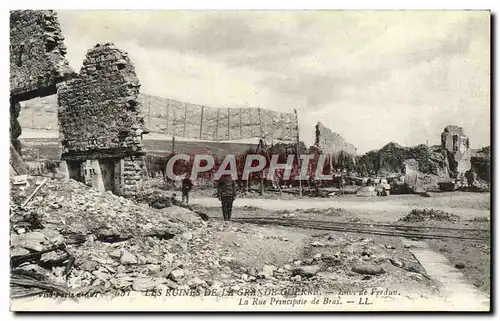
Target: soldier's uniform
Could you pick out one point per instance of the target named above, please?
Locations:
(226, 192)
(471, 177)
(187, 185)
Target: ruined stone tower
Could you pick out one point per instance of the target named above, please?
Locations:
(458, 154)
(100, 123)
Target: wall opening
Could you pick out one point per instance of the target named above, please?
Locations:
(455, 143)
(75, 170)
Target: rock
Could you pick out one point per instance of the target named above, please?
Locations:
(54, 257)
(31, 241)
(110, 269)
(317, 244)
(308, 261)
(33, 268)
(196, 281)
(227, 259)
(306, 270)
(52, 237)
(296, 278)
(317, 256)
(121, 269)
(116, 254)
(17, 251)
(177, 275)
(415, 276)
(331, 259)
(55, 205)
(120, 281)
(267, 271)
(365, 253)
(20, 180)
(396, 262)
(407, 246)
(368, 269)
(460, 265)
(154, 268)
(187, 235)
(297, 262)
(413, 267)
(128, 258)
(58, 271)
(101, 275)
(390, 247)
(88, 265)
(144, 284)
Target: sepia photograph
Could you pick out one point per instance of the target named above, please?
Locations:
(250, 160)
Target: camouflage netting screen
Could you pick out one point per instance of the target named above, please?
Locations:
(187, 120)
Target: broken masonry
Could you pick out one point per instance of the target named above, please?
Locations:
(37, 61)
(457, 151)
(100, 123)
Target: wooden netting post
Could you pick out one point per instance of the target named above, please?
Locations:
(299, 163)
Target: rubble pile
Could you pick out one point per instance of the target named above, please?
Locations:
(419, 215)
(51, 219)
(72, 206)
(389, 159)
(69, 239)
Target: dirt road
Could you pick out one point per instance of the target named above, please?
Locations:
(388, 210)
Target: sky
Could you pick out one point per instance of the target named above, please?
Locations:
(372, 77)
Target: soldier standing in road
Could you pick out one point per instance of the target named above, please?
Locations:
(471, 178)
(187, 185)
(226, 192)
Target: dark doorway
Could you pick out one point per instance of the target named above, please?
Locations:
(75, 170)
(108, 173)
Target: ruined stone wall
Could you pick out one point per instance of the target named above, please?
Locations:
(37, 61)
(37, 51)
(99, 114)
(457, 147)
(132, 176)
(330, 142)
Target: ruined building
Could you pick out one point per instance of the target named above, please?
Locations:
(100, 123)
(457, 151)
(37, 65)
(37, 62)
(98, 113)
(330, 142)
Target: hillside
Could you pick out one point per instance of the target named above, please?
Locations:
(48, 148)
(41, 113)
